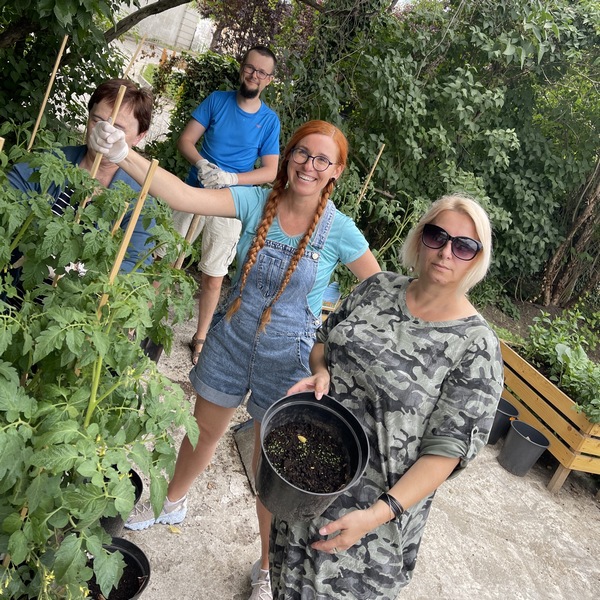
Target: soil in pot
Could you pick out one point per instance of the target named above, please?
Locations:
(136, 573)
(309, 457)
(129, 587)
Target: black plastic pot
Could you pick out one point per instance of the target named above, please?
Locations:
(504, 414)
(284, 499)
(136, 574)
(151, 349)
(522, 447)
(114, 525)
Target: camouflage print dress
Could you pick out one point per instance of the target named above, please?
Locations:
(418, 388)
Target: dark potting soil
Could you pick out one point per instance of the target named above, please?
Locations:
(308, 456)
(128, 587)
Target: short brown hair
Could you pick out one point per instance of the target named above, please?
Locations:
(140, 99)
(263, 51)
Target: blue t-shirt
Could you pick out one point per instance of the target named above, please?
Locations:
(345, 243)
(234, 139)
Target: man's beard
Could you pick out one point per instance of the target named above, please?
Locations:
(246, 92)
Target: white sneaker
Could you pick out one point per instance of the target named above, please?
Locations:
(143, 515)
(261, 583)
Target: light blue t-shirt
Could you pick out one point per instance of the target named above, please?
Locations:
(345, 243)
(234, 139)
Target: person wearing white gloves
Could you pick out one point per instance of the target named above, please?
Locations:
(236, 129)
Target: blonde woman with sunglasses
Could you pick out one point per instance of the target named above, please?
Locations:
(425, 374)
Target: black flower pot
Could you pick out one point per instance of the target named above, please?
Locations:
(523, 446)
(286, 500)
(151, 349)
(505, 413)
(114, 525)
(136, 574)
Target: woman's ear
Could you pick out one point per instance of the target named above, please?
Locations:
(140, 137)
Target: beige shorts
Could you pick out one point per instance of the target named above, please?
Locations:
(219, 240)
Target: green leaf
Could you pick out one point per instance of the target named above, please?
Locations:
(124, 496)
(56, 459)
(69, 559)
(12, 523)
(49, 340)
(108, 568)
(61, 432)
(18, 547)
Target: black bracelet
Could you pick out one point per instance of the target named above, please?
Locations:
(395, 507)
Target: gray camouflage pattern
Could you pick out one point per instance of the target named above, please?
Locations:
(418, 388)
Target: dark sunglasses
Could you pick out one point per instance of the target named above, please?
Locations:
(464, 248)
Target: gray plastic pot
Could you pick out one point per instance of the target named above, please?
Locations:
(284, 499)
(522, 447)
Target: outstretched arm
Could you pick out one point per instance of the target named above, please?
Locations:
(110, 141)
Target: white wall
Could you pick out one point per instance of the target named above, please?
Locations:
(180, 28)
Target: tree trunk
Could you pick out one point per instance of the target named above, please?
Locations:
(570, 261)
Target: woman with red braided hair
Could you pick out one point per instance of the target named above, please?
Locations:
(258, 345)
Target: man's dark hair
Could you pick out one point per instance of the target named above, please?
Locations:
(263, 51)
(139, 99)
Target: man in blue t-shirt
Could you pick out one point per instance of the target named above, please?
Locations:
(236, 129)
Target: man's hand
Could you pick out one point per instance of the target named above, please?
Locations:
(219, 179)
(109, 141)
(204, 169)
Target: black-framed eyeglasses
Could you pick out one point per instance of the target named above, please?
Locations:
(250, 70)
(320, 163)
(464, 248)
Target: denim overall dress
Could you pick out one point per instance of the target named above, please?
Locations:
(238, 360)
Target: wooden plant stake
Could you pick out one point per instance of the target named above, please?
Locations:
(137, 51)
(1, 143)
(119, 221)
(50, 84)
(364, 187)
(129, 231)
(188, 238)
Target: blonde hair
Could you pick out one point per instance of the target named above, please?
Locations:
(270, 210)
(467, 206)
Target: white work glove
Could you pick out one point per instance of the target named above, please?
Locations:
(109, 141)
(218, 178)
(204, 169)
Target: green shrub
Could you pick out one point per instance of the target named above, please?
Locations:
(558, 347)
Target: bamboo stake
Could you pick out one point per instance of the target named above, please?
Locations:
(119, 221)
(364, 188)
(1, 143)
(129, 231)
(137, 50)
(111, 120)
(50, 84)
(188, 238)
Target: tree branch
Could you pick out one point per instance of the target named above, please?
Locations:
(15, 33)
(134, 18)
